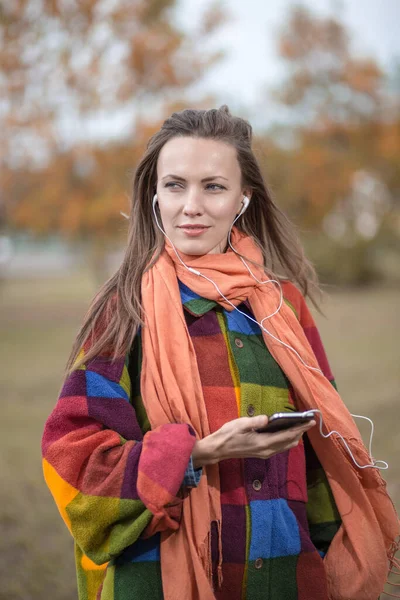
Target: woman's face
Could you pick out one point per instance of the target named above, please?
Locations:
(199, 193)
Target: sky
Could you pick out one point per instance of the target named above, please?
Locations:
(249, 39)
(250, 42)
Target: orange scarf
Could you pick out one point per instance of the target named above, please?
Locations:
(356, 563)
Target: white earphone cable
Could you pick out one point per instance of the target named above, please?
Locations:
(327, 435)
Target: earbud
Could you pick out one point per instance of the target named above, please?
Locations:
(245, 204)
(155, 200)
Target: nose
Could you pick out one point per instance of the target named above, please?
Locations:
(193, 205)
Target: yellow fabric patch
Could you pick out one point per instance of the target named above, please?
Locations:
(62, 491)
(290, 305)
(248, 540)
(80, 356)
(89, 565)
(108, 584)
(321, 505)
(232, 363)
(125, 381)
(266, 399)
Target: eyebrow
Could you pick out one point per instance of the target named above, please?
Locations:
(202, 181)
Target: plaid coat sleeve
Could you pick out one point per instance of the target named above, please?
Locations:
(322, 514)
(110, 481)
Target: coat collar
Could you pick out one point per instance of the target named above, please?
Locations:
(193, 303)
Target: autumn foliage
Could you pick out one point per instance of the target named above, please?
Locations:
(66, 64)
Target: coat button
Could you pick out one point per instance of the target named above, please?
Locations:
(239, 343)
(257, 485)
(258, 563)
(251, 411)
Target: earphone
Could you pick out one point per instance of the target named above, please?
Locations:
(245, 203)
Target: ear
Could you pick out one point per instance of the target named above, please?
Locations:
(247, 192)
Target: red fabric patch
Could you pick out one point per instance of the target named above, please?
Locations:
(311, 580)
(296, 474)
(232, 584)
(221, 405)
(70, 414)
(231, 481)
(165, 457)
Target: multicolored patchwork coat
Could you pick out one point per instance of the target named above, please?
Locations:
(102, 461)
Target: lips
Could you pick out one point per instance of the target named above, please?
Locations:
(193, 227)
(193, 230)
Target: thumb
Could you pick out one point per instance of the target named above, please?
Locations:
(250, 423)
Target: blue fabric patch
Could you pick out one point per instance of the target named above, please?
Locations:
(192, 476)
(98, 386)
(186, 293)
(241, 324)
(274, 530)
(143, 550)
(147, 550)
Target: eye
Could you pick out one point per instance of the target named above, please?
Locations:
(215, 186)
(220, 187)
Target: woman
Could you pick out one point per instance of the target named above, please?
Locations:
(152, 452)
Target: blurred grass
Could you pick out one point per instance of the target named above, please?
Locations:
(39, 320)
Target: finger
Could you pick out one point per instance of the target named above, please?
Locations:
(250, 423)
(287, 436)
(303, 426)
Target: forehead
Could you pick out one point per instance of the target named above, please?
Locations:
(197, 156)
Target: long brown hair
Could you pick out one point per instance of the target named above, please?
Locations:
(114, 315)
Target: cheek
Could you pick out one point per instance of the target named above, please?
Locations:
(222, 207)
(224, 215)
(167, 213)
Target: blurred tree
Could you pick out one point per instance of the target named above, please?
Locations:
(327, 83)
(66, 67)
(66, 63)
(344, 124)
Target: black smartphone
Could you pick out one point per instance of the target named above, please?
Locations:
(281, 421)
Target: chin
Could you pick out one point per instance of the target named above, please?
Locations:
(193, 248)
(198, 246)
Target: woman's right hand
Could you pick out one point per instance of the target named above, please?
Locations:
(238, 439)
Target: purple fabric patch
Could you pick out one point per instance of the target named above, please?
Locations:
(115, 414)
(233, 535)
(299, 511)
(271, 473)
(103, 366)
(129, 489)
(75, 385)
(205, 325)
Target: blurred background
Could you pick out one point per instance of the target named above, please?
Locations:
(83, 84)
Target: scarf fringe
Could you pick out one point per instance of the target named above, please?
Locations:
(207, 557)
(220, 557)
(393, 562)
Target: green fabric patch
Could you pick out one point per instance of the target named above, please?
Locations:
(321, 506)
(140, 580)
(91, 517)
(275, 580)
(199, 306)
(255, 362)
